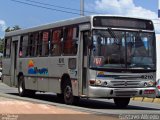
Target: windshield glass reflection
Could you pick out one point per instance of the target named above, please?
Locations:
(121, 49)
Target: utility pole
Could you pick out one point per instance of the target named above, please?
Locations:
(82, 7)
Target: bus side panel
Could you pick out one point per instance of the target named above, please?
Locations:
(54, 85)
(42, 84)
(45, 73)
(40, 73)
(31, 83)
(6, 69)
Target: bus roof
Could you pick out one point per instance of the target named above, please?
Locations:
(49, 26)
(61, 23)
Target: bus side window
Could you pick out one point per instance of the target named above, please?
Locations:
(29, 47)
(7, 48)
(23, 46)
(70, 41)
(56, 44)
(33, 45)
(86, 35)
(39, 44)
(20, 47)
(36, 39)
(45, 43)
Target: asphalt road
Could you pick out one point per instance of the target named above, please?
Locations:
(95, 106)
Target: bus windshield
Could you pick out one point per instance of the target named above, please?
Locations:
(123, 50)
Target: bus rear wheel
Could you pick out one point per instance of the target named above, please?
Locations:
(21, 88)
(121, 102)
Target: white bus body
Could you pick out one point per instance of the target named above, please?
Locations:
(158, 63)
(83, 57)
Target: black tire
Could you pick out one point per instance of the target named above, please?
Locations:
(21, 86)
(68, 94)
(22, 90)
(121, 102)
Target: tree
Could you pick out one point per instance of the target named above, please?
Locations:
(9, 29)
(16, 27)
(1, 44)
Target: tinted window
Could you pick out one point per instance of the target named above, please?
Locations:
(45, 43)
(70, 41)
(23, 46)
(7, 48)
(56, 43)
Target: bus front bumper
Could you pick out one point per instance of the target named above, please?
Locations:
(104, 92)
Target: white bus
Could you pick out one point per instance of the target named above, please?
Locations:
(158, 64)
(95, 56)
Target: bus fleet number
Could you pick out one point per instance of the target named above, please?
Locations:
(147, 76)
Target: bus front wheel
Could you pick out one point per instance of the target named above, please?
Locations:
(68, 94)
(121, 102)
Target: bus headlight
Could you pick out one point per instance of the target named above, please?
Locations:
(149, 84)
(145, 84)
(101, 83)
(105, 84)
(98, 82)
(95, 82)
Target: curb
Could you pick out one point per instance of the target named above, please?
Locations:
(76, 108)
(144, 99)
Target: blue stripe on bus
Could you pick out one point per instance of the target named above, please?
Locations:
(158, 13)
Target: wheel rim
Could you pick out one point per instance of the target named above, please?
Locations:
(21, 87)
(68, 96)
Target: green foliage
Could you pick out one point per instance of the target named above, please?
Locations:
(9, 29)
(1, 44)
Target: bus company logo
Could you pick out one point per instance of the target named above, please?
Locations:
(34, 70)
(101, 74)
(125, 83)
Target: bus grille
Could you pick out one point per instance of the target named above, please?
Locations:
(125, 84)
(125, 93)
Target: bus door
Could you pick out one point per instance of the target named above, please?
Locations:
(14, 50)
(84, 62)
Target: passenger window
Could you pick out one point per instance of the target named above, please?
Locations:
(29, 47)
(45, 43)
(34, 45)
(56, 43)
(39, 45)
(23, 46)
(36, 39)
(70, 41)
(7, 49)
